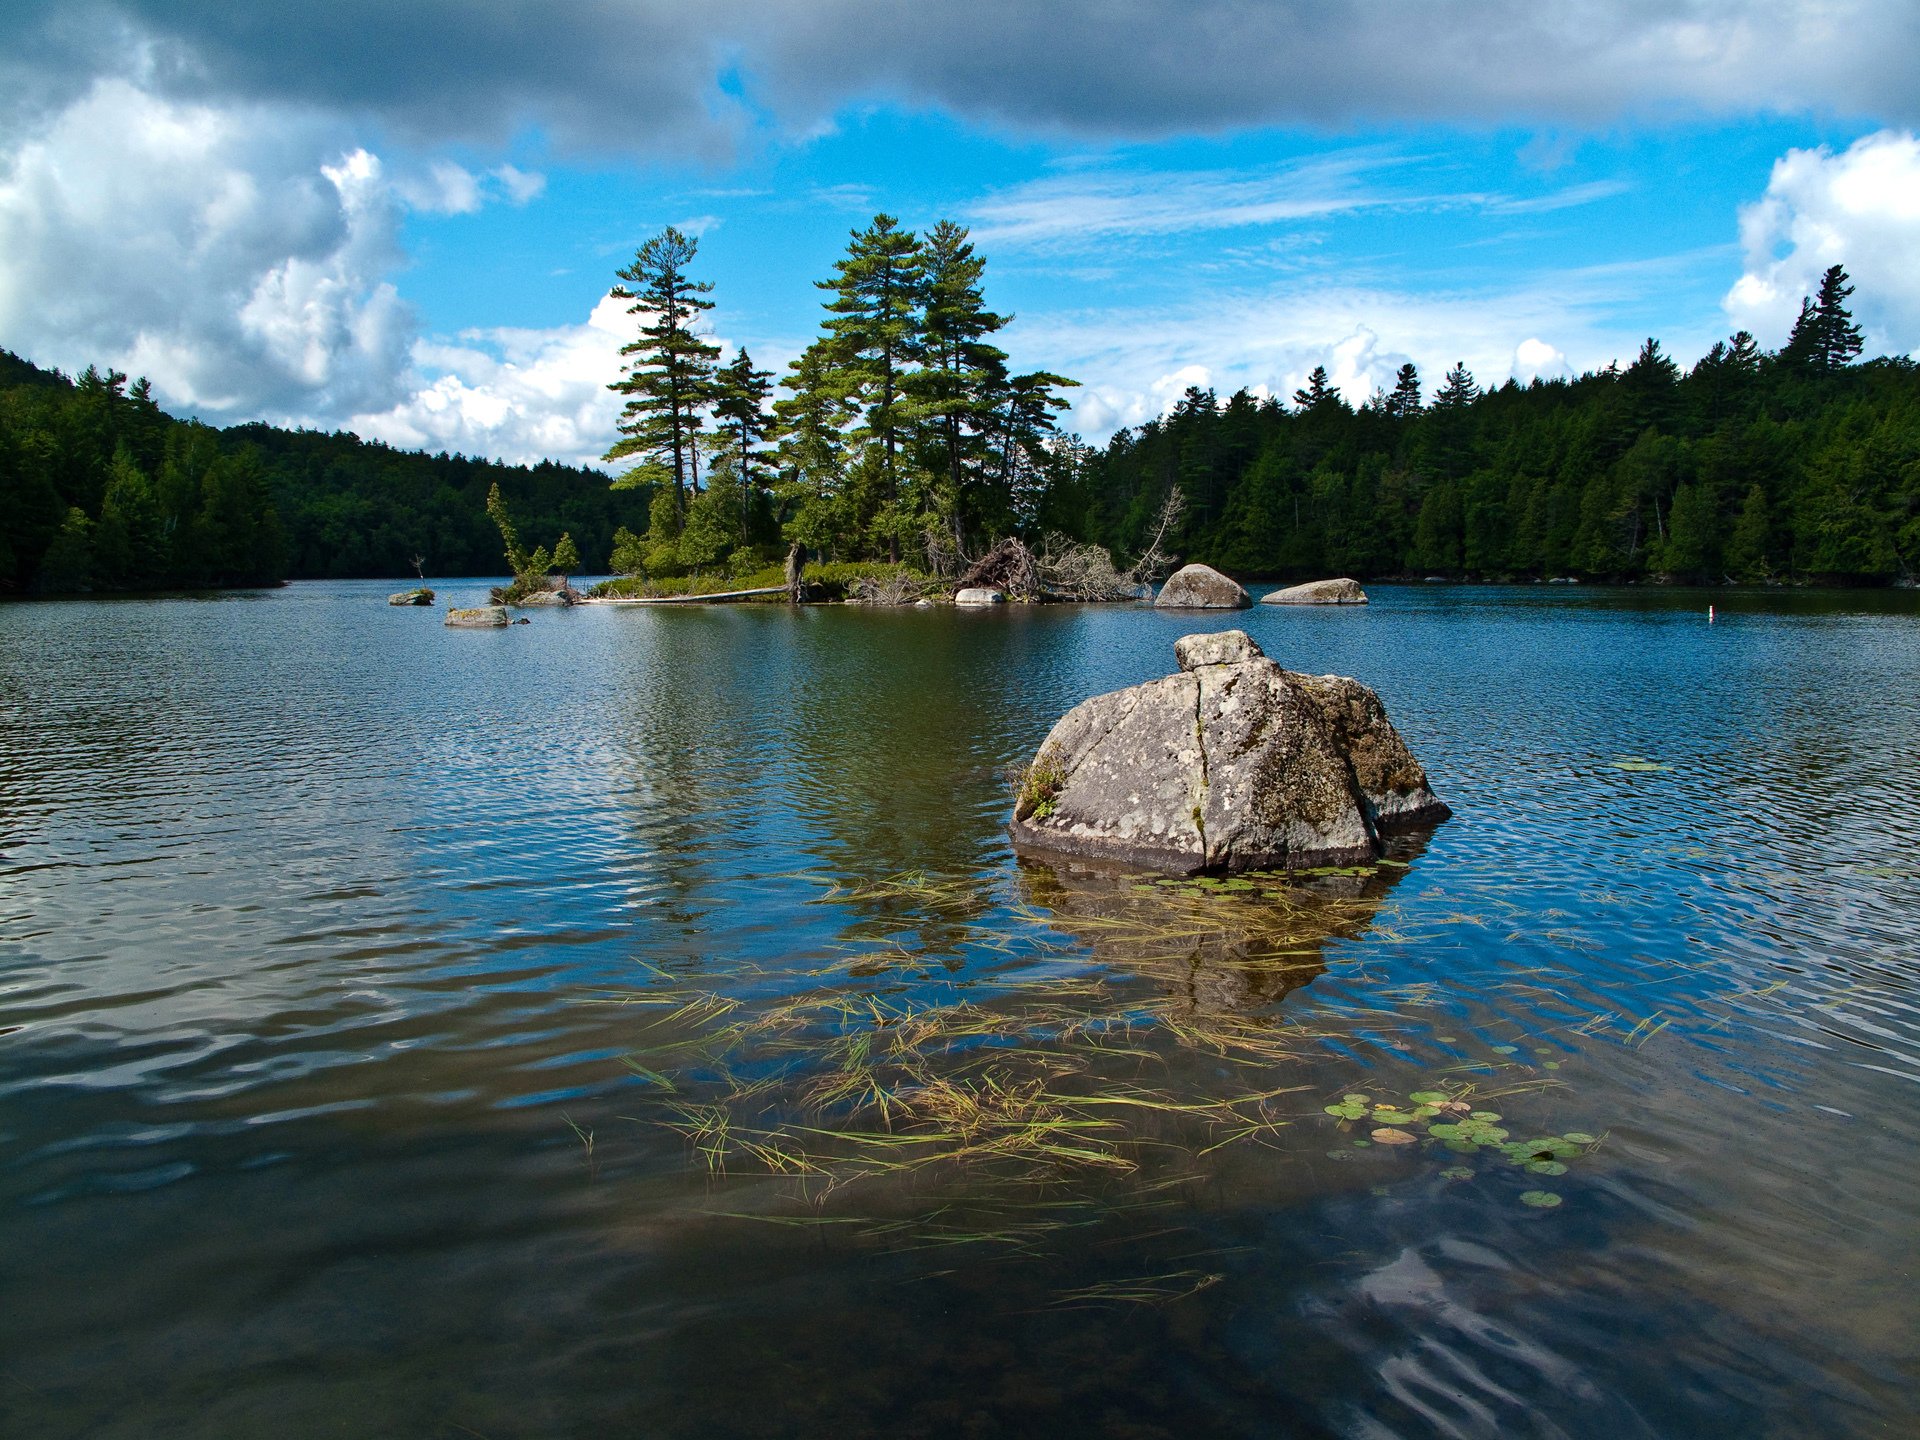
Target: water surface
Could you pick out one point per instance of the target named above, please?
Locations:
(371, 995)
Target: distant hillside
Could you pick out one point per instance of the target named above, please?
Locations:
(102, 490)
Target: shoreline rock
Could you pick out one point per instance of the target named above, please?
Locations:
(1319, 592)
(1233, 763)
(1201, 587)
(979, 595)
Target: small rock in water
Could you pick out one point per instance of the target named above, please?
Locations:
(422, 596)
(1201, 587)
(979, 595)
(1319, 592)
(482, 617)
(1232, 764)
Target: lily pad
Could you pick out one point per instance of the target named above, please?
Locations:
(1539, 1199)
(1580, 1137)
(1486, 1117)
(1386, 1136)
(1463, 1147)
(1457, 1172)
(1506, 1049)
(1444, 1131)
(1429, 1097)
(1637, 765)
(1546, 1167)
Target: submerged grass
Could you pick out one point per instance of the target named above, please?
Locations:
(1110, 1040)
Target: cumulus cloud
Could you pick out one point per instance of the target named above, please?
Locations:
(1859, 208)
(238, 256)
(1534, 359)
(513, 394)
(636, 74)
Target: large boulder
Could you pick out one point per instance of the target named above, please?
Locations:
(483, 617)
(978, 595)
(1319, 592)
(1232, 764)
(421, 596)
(1201, 587)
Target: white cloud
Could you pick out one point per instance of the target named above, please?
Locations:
(1535, 359)
(518, 395)
(521, 187)
(446, 189)
(1859, 208)
(238, 257)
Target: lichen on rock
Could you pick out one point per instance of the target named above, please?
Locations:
(1234, 763)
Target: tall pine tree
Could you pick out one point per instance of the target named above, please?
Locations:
(670, 369)
(874, 319)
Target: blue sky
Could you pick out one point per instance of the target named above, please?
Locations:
(408, 225)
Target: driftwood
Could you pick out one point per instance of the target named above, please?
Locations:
(1008, 567)
(688, 599)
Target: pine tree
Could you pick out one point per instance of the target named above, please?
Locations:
(811, 448)
(1459, 391)
(1837, 340)
(1405, 401)
(669, 380)
(1748, 547)
(509, 533)
(1318, 393)
(875, 326)
(740, 405)
(956, 390)
(566, 557)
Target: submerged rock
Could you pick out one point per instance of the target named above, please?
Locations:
(421, 596)
(1201, 587)
(1232, 764)
(482, 617)
(1319, 592)
(979, 595)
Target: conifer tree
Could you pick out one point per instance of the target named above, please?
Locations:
(811, 448)
(566, 556)
(740, 405)
(1459, 391)
(1318, 393)
(670, 368)
(962, 377)
(875, 327)
(1836, 339)
(1405, 401)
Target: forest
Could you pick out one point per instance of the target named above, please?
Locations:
(902, 434)
(1752, 466)
(100, 489)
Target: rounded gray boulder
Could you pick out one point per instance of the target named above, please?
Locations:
(1201, 587)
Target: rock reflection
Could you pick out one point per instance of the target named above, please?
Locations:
(1218, 948)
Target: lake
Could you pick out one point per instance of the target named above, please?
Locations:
(636, 1023)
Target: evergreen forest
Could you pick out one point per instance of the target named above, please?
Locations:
(902, 434)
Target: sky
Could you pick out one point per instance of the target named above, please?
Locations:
(403, 220)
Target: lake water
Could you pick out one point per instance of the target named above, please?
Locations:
(635, 1023)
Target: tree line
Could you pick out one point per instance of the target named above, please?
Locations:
(100, 489)
(901, 432)
(1752, 466)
